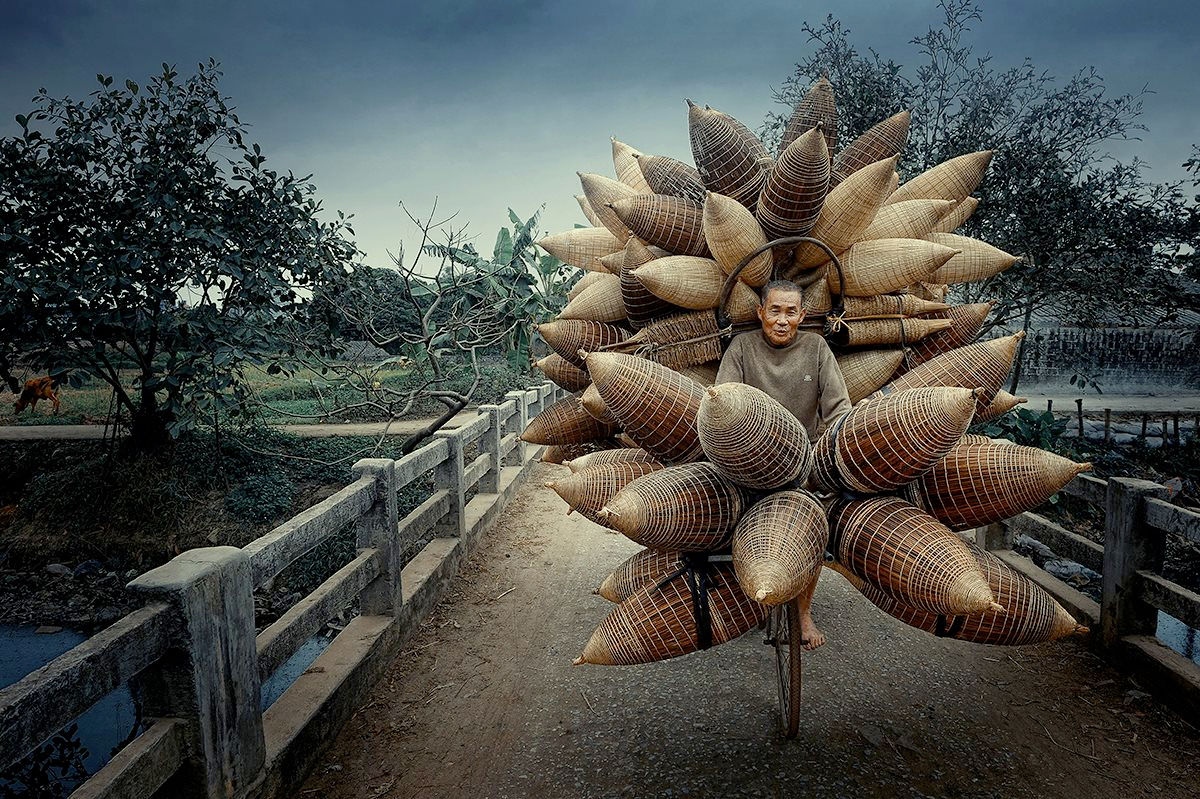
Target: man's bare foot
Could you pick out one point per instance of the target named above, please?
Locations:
(810, 635)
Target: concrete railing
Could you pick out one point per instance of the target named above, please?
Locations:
(1137, 522)
(199, 665)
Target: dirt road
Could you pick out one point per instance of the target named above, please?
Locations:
(483, 702)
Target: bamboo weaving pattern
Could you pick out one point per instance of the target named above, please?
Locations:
(683, 280)
(752, 439)
(641, 305)
(984, 364)
(626, 164)
(582, 247)
(879, 266)
(976, 261)
(864, 332)
(600, 302)
(817, 108)
(848, 210)
(791, 200)
(587, 490)
(669, 341)
(911, 219)
(622, 455)
(882, 140)
(644, 568)
(601, 192)
(692, 507)
(967, 321)
(568, 336)
(665, 175)
(779, 546)
(565, 422)
(866, 371)
(564, 373)
(673, 223)
(729, 157)
(594, 405)
(950, 180)
(732, 233)
(1002, 404)
(955, 217)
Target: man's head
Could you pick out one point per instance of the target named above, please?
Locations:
(781, 310)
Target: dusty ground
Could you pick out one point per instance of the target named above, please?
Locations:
(483, 702)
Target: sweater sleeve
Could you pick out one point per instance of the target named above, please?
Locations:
(730, 370)
(835, 399)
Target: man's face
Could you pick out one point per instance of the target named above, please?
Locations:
(781, 314)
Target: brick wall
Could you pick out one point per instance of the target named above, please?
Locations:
(1120, 359)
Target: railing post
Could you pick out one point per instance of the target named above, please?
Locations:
(1129, 546)
(994, 536)
(211, 679)
(449, 475)
(377, 528)
(490, 444)
(533, 398)
(519, 420)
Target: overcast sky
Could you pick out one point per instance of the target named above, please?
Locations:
(491, 105)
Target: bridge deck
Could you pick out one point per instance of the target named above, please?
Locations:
(484, 701)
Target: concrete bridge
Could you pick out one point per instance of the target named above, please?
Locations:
(454, 680)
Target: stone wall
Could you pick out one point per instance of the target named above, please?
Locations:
(1120, 359)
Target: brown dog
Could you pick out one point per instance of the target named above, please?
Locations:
(36, 389)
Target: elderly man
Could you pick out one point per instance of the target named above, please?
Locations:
(799, 371)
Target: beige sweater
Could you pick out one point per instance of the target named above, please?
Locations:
(803, 376)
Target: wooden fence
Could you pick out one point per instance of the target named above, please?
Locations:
(199, 665)
(1137, 521)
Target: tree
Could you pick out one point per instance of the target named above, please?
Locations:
(144, 242)
(1098, 240)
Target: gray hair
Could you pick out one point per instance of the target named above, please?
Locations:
(779, 285)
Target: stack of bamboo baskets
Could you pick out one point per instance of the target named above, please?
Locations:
(683, 467)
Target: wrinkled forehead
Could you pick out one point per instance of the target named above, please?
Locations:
(781, 298)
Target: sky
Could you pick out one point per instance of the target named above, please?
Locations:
(486, 106)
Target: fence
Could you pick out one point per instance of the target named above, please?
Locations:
(199, 665)
(1137, 522)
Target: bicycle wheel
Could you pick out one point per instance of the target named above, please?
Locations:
(783, 631)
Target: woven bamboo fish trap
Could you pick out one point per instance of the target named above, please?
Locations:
(655, 405)
(954, 180)
(601, 193)
(566, 422)
(974, 439)
(594, 405)
(729, 157)
(601, 302)
(621, 455)
(628, 171)
(613, 262)
(589, 213)
(791, 199)
(563, 372)
(817, 299)
(882, 140)
(976, 261)
(683, 280)
(890, 305)
(966, 322)
(561, 454)
(888, 442)
(568, 336)
(582, 247)
(978, 484)
(983, 364)
(732, 233)
(880, 266)
(753, 440)
(703, 373)
(864, 372)
(674, 223)
(638, 571)
(691, 507)
(957, 216)
(658, 621)
(587, 490)
(687, 339)
(779, 546)
(911, 219)
(862, 332)
(934, 292)
(817, 107)
(641, 304)
(1002, 404)
(669, 176)
(848, 210)
(909, 555)
(589, 279)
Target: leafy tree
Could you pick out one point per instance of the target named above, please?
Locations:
(1098, 240)
(140, 233)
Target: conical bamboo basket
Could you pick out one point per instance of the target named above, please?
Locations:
(656, 406)
(779, 546)
(729, 157)
(890, 305)
(1002, 404)
(589, 213)
(909, 555)
(879, 266)
(561, 454)
(1032, 616)
(565, 422)
(669, 176)
(568, 336)
(657, 622)
(911, 219)
(978, 484)
(753, 440)
(582, 247)
(817, 107)
(882, 140)
(614, 261)
(594, 405)
(817, 299)
(732, 233)
(601, 302)
(967, 321)
(950, 180)
(644, 568)
(866, 371)
(847, 212)
(868, 332)
(602, 192)
(679, 341)
(691, 507)
(984, 364)
(683, 280)
(626, 165)
(934, 292)
(622, 455)
(588, 279)
(791, 199)
(887, 442)
(641, 305)
(976, 261)
(956, 216)
(587, 490)
(674, 223)
(703, 373)
(563, 372)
